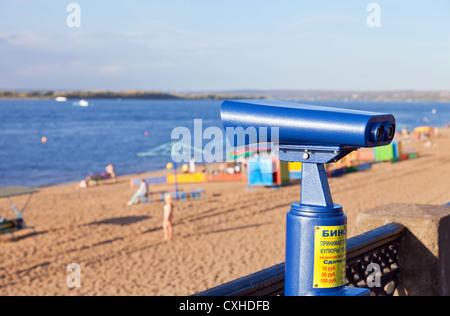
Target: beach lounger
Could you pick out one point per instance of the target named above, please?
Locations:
(178, 196)
(198, 194)
(11, 226)
(145, 200)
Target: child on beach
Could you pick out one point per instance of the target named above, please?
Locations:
(167, 218)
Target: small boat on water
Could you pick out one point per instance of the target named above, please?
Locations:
(61, 99)
(82, 103)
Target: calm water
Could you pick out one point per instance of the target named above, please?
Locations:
(83, 141)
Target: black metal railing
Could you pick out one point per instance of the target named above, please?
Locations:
(377, 249)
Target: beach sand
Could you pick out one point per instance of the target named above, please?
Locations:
(232, 233)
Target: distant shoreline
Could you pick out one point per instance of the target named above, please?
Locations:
(304, 95)
(112, 95)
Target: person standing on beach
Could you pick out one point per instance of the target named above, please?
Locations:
(167, 218)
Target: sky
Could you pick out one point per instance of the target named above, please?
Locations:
(222, 45)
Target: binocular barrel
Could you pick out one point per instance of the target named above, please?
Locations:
(300, 124)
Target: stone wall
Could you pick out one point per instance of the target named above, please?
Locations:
(424, 256)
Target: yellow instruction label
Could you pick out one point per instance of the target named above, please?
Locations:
(330, 247)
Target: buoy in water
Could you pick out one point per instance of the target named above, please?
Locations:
(44, 140)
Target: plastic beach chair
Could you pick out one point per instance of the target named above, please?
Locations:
(10, 227)
(198, 194)
(145, 199)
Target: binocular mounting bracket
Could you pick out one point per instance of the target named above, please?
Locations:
(315, 187)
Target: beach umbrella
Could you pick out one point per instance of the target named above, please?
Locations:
(172, 149)
(167, 150)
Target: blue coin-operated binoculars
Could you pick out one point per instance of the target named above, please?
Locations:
(316, 232)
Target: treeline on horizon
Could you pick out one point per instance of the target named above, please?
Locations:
(153, 95)
(404, 96)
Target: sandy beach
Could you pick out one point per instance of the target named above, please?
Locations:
(231, 233)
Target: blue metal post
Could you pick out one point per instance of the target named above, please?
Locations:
(316, 239)
(176, 179)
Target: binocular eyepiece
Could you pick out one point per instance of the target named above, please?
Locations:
(384, 132)
(300, 124)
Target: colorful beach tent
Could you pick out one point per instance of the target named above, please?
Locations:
(384, 153)
(248, 151)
